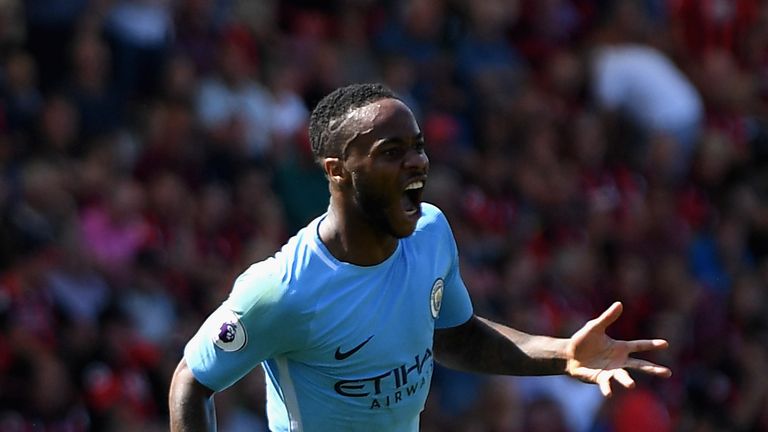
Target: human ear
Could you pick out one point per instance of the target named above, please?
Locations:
(334, 170)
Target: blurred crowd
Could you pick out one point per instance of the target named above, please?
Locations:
(585, 151)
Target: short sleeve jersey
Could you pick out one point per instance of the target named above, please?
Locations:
(344, 347)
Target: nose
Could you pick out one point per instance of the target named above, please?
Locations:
(417, 160)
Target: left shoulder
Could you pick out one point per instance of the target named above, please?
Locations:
(431, 218)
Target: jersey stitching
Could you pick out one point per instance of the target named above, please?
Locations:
(323, 257)
(289, 392)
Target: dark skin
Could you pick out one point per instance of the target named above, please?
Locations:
(190, 403)
(381, 153)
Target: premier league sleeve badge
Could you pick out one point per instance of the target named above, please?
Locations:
(228, 333)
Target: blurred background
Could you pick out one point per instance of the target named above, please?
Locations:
(585, 151)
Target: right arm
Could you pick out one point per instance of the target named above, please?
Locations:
(245, 330)
(190, 403)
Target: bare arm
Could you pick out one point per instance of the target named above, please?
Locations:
(190, 403)
(589, 355)
(480, 345)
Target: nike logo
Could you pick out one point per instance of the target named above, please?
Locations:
(339, 355)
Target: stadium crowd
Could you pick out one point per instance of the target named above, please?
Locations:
(585, 151)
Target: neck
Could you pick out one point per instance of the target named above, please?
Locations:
(351, 238)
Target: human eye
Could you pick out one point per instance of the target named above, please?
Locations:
(393, 152)
(419, 145)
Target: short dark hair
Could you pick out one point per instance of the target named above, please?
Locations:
(335, 105)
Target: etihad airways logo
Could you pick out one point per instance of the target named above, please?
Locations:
(392, 386)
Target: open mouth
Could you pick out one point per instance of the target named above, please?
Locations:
(412, 197)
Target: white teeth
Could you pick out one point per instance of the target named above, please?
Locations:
(415, 185)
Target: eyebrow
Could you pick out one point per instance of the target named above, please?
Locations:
(383, 141)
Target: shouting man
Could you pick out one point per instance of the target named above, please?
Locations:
(349, 316)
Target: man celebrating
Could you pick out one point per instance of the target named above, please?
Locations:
(349, 316)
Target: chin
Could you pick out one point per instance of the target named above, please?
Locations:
(390, 220)
(398, 227)
(405, 233)
(407, 226)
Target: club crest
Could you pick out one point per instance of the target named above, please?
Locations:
(228, 333)
(436, 298)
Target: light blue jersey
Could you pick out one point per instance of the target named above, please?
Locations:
(344, 347)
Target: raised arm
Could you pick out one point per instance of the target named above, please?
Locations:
(190, 403)
(590, 355)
